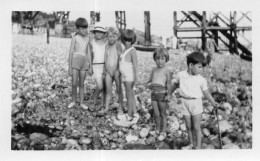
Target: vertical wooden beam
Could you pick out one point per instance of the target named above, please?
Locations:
(124, 21)
(175, 24)
(48, 31)
(147, 33)
(231, 33)
(235, 32)
(203, 36)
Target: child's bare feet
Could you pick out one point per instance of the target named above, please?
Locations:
(103, 111)
(72, 104)
(190, 146)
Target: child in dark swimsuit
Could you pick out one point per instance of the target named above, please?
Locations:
(160, 80)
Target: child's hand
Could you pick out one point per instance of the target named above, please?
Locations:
(215, 104)
(117, 74)
(70, 71)
(104, 75)
(167, 98)
(90, 71)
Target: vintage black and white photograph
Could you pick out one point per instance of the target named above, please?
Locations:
(94, 80)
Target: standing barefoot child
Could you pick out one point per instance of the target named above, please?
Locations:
(129, 72)
(192, 88)
(79, 61)
(97, 46)
(112, 54)
(160, 86)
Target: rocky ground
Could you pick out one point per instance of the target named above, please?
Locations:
(41, 92)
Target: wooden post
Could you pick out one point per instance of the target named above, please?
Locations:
(203, 37)
(48, 31)
(147, 34)
(235, 32)
(175, 23)
(121, 19)
(124, 21)
(231, 34)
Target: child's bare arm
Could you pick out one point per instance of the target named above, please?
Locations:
(174, 86)
(168, 83)
(134, 59)
(90, 58)
(72, 46)
(210, 98)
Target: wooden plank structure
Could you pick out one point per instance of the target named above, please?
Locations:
(121, 25)
(211, 28)
(120, 20)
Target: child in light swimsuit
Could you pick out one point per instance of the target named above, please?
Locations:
(129, 72)
(112, 54)
(79, 61)
(97, 48)
(160, 80)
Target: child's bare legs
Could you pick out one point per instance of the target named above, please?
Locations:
(162, 109)
(157, 118)
(119, 93)
(75, 77)
(197, 129)
(189, 128)
(82, 76)
(98, 90)
(108, 81)
(130, 98)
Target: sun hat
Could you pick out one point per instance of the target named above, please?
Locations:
(99, 28)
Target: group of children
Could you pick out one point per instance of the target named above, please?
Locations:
(110, 57)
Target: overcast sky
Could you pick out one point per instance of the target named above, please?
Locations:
(161, 21)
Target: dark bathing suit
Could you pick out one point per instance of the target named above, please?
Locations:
(159, 92)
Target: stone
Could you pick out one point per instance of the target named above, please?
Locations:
(230, 146)
(122, 122)
(113, 145)
(150, 140)
(227, 106)
(144, 132)
(226, 140)
(224, 126)
(207, 146)
(120, 133)
(16, 100)
(72, 142)
(131, 138)
(205, 132)
(84, 140)
(38, 137)
(183, 127)
(173, 124)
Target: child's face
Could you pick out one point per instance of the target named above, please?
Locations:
(112, 38)
(160, 61)
(83, 31)
(196, 68)
(127, 44)
(99, 35)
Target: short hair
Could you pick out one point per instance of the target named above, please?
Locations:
(114, 31)
(196, 58)
(128, 35)
(161, 52)
(81, 22)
